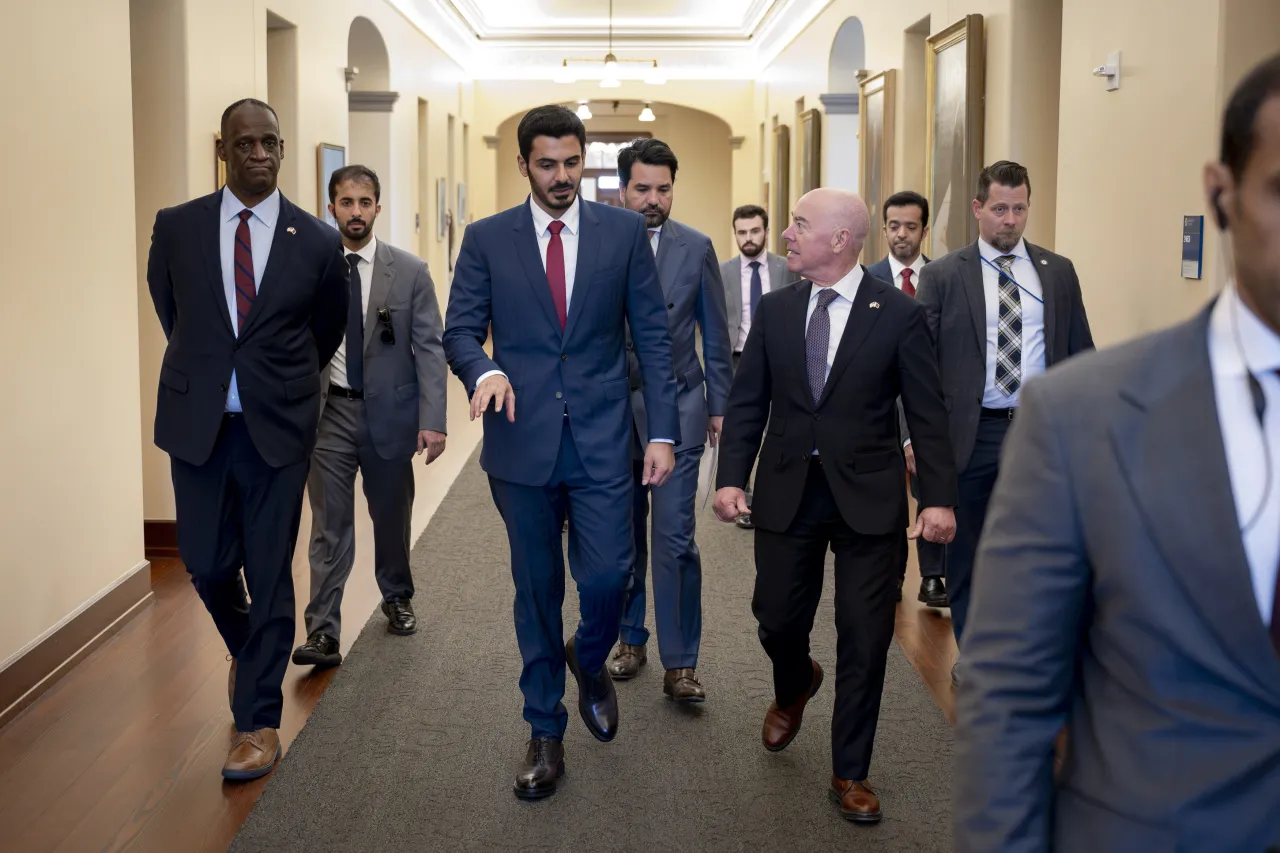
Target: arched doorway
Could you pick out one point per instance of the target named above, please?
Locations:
(370, 102)
(845, 66)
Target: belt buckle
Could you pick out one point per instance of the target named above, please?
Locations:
(1010, 412)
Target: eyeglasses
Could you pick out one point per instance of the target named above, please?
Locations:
(389, 333)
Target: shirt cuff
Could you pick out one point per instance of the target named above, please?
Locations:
(661, 441)
(906, 443)
(486, 375)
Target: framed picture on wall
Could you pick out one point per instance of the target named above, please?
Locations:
(954, 83)
(442, 209)
(810, 151)
(781, 202)
(219, 166)
(875, 169)
(462, 203)
(329, 159)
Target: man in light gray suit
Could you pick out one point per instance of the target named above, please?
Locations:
(691, 288)
(747, 276)
(383, 401)
(1128, 584)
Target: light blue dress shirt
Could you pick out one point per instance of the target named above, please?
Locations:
(1024, 273)
(262, 229)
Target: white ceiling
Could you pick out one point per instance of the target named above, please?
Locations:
(691, 39)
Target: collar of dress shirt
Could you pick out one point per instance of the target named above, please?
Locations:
(896, 267)
(990, 252)
(367, 253)
(542, 219)
(1241, 342)
(846, 287)
(747, 262)
(267, 210)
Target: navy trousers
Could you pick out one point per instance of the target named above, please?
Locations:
(677, 565)
(975, 484)
(600, 555)
(237, 511)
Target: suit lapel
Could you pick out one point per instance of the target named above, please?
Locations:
(210, 235)
(1170, 450)
(797, 310)
(281, 258)
(971, 271)
(588, 251)
(862, 317)
(777, 272)
(530, 256)
(1047, 272)
(671, 252)
(384, 276)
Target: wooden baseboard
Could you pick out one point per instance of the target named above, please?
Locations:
(27, 678)
(160, 539)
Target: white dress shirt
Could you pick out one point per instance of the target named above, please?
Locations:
(1234, 331)
(262, 229)
(338, 373)
(744, 322)
(896, 267)
(655, 236)
(839, 309)
(1031, 294)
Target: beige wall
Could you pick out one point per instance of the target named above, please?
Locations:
(704, 182)
(71, 513)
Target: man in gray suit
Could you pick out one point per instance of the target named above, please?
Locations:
(1001, 311)
(1128, 583)
(747, 277)
(691, 288)
(384, 400)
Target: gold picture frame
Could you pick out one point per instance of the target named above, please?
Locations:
(876, 105)
(219, 165)
(329, 159)
(781, 203)
(955, 84)
(810, 151)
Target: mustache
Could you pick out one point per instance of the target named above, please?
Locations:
(559, 187)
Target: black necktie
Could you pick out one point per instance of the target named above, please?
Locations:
(756, 286)
(355, 329)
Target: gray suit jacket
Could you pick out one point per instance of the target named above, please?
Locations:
(951, 291)
(691, 289)
(731, 274)
(1112, 594)
(404, 381)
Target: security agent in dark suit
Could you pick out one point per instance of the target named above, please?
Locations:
(906, 225)
(384, 400)
(1001, 311)
(1129, 578)
(252, 294)
(694, 296)
(825, 364)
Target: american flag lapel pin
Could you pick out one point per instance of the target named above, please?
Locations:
(875, 304)
(292, 230)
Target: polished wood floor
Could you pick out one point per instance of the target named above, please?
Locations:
(124, 753)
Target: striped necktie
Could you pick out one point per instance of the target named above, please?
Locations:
(246, 289)
(1008, 330)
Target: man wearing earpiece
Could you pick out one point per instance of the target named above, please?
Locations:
(1001, 311)
(1127, 578)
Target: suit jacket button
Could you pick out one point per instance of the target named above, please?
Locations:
(817, 417)
(223, 386)
(559, 395)
(628, 346)
(565, 356)
(670, 305)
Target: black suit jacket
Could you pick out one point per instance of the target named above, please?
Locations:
(296, 323)
(885, 353)
(951, 292)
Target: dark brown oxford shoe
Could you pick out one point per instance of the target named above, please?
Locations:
(858, 803)
(626, 662)
(681, 685)
(543, 766)
(781, 725)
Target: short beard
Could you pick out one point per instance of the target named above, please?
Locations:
(658, 214)
(550, 201)
(904, 261)
(757, 253)
(368, 229)
(1005, 246)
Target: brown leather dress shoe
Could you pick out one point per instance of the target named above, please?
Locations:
(857, 801)
(682, 686)
(252, 755)
(231, 686)
(626, 662)
(781, 725)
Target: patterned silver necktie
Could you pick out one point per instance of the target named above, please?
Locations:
(1008, 330)
(816, 341)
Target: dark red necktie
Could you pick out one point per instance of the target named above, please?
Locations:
(907, 287)
(245, 288)
(555, 271)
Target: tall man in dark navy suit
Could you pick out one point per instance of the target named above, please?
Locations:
(559, 280)
(252, 294)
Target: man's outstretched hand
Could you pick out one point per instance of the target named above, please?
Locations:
(659, 462)
(495, 389)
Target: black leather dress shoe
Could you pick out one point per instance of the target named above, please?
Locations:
(543, 765)
(933, 593)
(597, 700)
(400, 618)
(319, 650)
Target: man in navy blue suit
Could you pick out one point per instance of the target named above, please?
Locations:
(559, 280)
(252, 293)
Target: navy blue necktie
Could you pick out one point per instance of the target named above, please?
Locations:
(355, 329)
(756, 286)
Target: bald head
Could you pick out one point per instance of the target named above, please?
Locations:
(828, 228)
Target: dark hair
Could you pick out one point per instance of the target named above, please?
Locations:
(1239, 119)
(751, 211)
(354, 172)
(651, 152)
(905, 199)
(246, 102)
(552, 120)
(1006, 173)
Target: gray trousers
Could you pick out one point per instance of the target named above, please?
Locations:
(343, 446)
